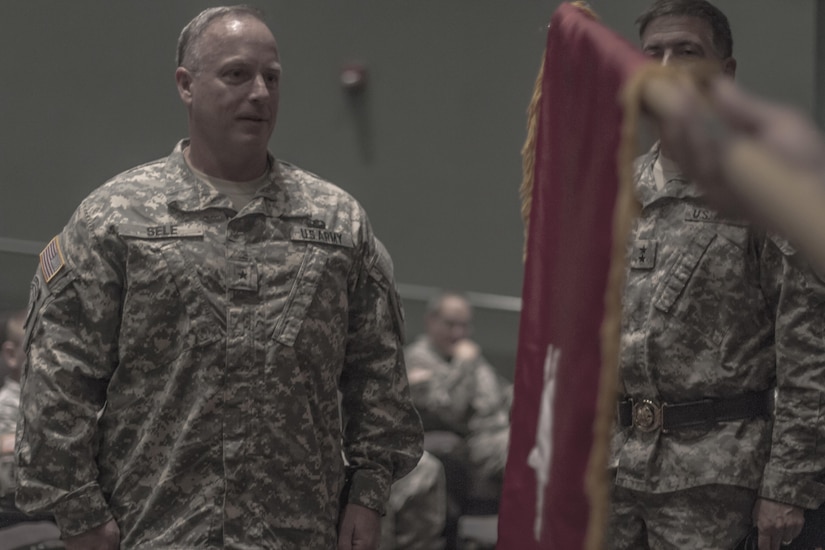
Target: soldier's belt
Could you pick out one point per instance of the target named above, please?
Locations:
(647, 415)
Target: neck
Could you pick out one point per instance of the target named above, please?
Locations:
(242, 165)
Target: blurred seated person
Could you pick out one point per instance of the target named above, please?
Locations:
(17, 529)
(4, 317)
(464, 406)
(12, 356)
(417, 510)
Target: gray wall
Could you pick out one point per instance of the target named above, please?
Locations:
(431, 150)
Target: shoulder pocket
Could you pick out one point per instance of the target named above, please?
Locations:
(381, 272)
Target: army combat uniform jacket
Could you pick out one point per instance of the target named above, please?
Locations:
(185, 361)
(713, 309)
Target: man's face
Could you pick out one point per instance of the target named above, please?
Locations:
(232, 95)
(450, 324)
(683, 39)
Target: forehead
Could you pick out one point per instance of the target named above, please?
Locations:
(674, 29)
(454, 306)
(234, 35)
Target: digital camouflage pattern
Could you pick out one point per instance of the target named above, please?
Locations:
(9, 399)
(417, 509)
(467, 398)
(9, 403)
(184, 365)
(678, 520)
(714, 308)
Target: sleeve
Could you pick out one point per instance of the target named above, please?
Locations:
(442, 392)
(71, 334)
(383, 437)
(8, 412)
(794, 471)
(490, 422)
(418, 505)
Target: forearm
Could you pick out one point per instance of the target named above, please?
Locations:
(796, 465)
(382, 431)
(56, 468)
(62, 392)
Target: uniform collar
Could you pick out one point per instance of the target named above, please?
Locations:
(646, 189)
(283, 195)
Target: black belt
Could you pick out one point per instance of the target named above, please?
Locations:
(647, 415)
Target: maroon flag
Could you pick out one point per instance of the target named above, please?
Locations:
(569, 249)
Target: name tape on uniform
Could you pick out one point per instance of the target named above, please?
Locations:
(694, 214)
(165, 231)
(322, 236)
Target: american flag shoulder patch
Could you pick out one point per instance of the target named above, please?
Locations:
(51, 259)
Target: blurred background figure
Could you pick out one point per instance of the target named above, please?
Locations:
(464, 406)
(18, 531)
(4, 316)
(417, 511)
(12, 356)
(11, 360)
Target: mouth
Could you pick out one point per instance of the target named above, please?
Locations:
(253, 118)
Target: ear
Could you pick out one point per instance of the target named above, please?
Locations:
(729, 67)
(183, 79)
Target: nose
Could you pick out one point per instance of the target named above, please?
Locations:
(458, 331)
(667, 57)
(259, 89)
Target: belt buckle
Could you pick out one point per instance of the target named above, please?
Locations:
(647, 415)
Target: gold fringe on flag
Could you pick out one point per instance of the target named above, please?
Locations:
(528, 156)
(625, 212)
(528, 151)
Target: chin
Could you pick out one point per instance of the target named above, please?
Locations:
(254, 141)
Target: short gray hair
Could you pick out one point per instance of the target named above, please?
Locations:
(435, 301)
(713, 16)
(188, 54)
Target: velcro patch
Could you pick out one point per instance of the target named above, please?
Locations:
(51, 259)
(323, 236)
(644, 254)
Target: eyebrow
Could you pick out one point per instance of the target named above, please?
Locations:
(245, 61)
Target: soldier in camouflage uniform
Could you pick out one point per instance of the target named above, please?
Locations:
(722, 365)
(190, 330)
(464, 406)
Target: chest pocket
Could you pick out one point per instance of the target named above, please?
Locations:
(164, 270)
(201, 305)
(301, 295)
(680, 273)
